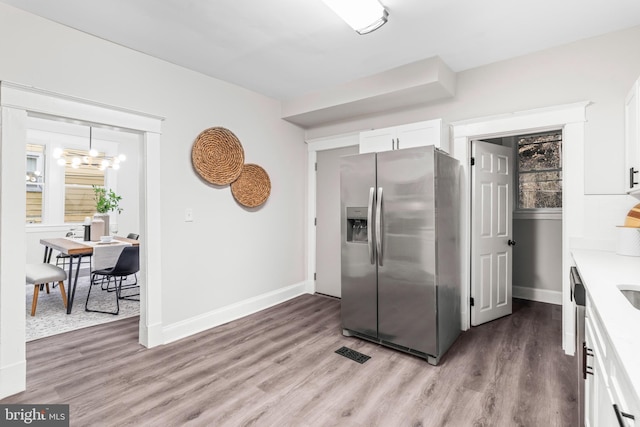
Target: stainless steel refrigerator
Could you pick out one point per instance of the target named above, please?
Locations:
(400, 249)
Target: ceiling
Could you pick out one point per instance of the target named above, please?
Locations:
(289, 48)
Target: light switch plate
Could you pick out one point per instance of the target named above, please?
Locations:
(188, 215)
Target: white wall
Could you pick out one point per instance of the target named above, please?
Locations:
(127, 186)
(600, 70)
(537, 257)
(227, 254)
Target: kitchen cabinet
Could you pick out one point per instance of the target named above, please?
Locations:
(632, 139)
(607, 387)
(405, 136)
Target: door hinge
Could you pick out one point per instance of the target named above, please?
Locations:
(314, 276)
(472, 302)
(316, 166)
(473, 161)
(315, 221)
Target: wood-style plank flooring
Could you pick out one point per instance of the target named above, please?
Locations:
(278, 368)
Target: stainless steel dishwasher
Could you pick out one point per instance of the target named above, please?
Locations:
(579, 299)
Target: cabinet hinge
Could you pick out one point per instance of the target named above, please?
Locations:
(316, 166)
(315, 221)
(473, 161)
(472, 302)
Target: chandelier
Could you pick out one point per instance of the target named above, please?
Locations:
(91, 158)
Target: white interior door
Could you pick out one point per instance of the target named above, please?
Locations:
(491, 231)
(328, 219)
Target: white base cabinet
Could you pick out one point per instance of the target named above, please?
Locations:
(418, 134)
(608, 397)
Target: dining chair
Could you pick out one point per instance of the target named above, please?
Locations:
(105, 287)
(133, 236)
(42, 274)
(128, 263)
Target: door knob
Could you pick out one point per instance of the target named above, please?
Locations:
(511, 243)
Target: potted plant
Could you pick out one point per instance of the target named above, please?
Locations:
(106, 201)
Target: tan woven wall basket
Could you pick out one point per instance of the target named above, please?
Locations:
(218, 156)
(253, 186)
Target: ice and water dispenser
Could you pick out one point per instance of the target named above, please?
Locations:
(357, 225)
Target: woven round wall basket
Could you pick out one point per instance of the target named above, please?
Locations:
(217, 156)
(253, 186)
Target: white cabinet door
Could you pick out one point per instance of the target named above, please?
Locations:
(622, 394)
(632, 139)
(608, 383)
(598, 402)
(605, 416)
(375, 141)
(419, 134)
(590, 383)
(406, 136)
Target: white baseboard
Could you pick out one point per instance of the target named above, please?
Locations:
(231, 312)
(13, 379)
(539, 295)
(464, 314)
(151, 335)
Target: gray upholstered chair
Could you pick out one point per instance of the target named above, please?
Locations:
(41, 274)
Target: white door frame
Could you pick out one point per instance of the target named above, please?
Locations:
(313, 146)
(16, 102)
(570, 118)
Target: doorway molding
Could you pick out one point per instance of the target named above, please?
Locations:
(16, 103)
(569, 117)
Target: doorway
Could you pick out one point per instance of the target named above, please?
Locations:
(328, 220)
(571, 119)
(17, 102)
(60, 197)
(314, 149)
(526, 260)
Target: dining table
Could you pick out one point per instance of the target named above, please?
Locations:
(76, 249)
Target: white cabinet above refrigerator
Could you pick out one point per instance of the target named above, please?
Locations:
(418, 134)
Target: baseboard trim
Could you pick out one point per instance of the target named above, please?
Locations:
(539, 295)
(13, 379)
(231, 312)
(151, 335)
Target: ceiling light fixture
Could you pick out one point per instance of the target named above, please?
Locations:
(94, 158)
(364, 16)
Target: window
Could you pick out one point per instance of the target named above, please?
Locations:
(61, 172)
(539, 168)
(34, 182)
(78, 191)
(70, 186)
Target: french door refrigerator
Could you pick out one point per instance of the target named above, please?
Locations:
(400, 249)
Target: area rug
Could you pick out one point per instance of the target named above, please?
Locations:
(51, 317)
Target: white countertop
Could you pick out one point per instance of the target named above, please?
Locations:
(601, 273)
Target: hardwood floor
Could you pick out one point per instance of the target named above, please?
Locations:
(278, 368)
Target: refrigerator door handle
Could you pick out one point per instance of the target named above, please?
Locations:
(372, 193)
(379, 225)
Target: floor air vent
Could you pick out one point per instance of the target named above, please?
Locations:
(353, 355)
